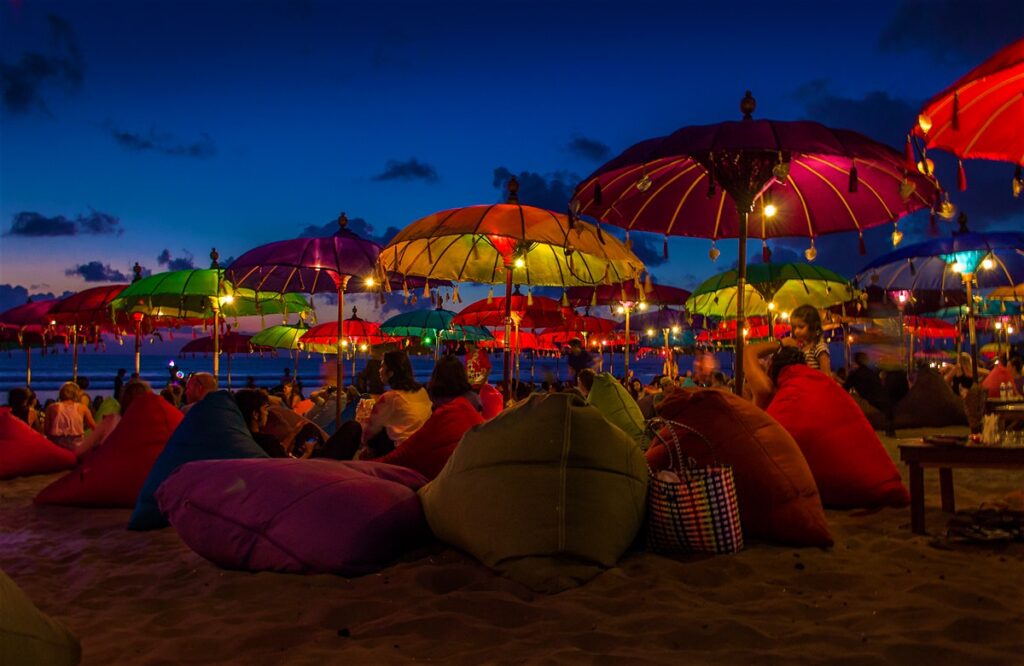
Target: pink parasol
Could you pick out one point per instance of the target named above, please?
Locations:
(25, 322)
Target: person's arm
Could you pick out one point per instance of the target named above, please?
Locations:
(90, 422)
(378, 417)
(757, 379)
(825, 362)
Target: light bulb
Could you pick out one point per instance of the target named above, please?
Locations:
(999, 325)
(621, 310)
(771, 306)
(650, 332)
(957, 267)
(675, 329)
(642, 305)
(520, 262)
(987, 263)
(370, 281)
(227, 299)
(770, 210)
(924, 122)
(897, 237)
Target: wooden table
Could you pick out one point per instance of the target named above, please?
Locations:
(919, 455)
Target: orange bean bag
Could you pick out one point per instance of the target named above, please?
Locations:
(24, 452)
(112, 475)
(777, 495)
(429, 448)
(849, 463)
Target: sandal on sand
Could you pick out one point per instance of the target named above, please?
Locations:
(988, 525)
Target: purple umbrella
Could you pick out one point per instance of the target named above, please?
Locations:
(320, 265)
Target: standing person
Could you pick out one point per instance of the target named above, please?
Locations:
(119, 383)
(478, 365)
(67, 419)
(807, 335)
(577, 358)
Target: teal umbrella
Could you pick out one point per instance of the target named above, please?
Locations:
(436, 324)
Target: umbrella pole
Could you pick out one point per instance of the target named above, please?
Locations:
(216, 341)
(229, 371)
(74, 354)
(28, 365)
(625, 356)
(971, 333)
(295, 373)
(668, 356)
(506, 381)
(138, 347)
(340, 366)
(741, 289)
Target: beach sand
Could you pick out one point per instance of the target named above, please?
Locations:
(881, 595)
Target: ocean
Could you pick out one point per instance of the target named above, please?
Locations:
(51, 370)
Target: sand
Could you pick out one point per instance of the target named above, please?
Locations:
(881, 595)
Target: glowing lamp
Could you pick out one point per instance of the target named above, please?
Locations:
(53, 322)
(1009, 330)
(642, 305)
(675, 329)
(226, 299)
(903, 297)
(926, 166)
(621, 309)
(363, 347)
(987, 263)
(999, 325)
(650, 332)
(771, 306)
(957, 267)
(770, 210)
(520, 262)
(924, 122)
(746, 332)
(370, 281)
(344, 343)
(783, 315)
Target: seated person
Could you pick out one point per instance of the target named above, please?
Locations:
(960, 375)
(255, 405)
(67, 419)
(762, 384)
(290, 395)
(585, 381)
(196, 388)
(450, 381)
(24, 406)
(131, 391)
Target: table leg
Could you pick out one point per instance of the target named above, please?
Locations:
(946, 488)
(916, 498)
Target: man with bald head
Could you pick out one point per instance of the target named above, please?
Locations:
(196, 388)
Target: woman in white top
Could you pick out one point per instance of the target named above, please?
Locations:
(400, 411)
(67, 419)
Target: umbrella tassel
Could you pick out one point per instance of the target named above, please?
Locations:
(854, 181)
(529, 297)
(426, 289)
(933, 224)
(455, 295)
(908, 154)
(629, 243)
(664, 249)
(565, 299)
(593, 298)
(490, 295)
(766, 254)
(1018, 182)
(597, 195)
(648, 283)
(600, 236)
(956, 111)
(961, 176)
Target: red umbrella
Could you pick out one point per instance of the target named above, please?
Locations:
(354, 330)
(927, 327)
(30, 319)
(89, 309)
(761, 178)
(980, 116)
(520, 340)
(528, 312)
(230, 343)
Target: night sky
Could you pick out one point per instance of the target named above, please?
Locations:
(153, 130)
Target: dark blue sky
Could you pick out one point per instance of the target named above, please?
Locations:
(131, 128)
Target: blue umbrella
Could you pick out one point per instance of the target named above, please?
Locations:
(435, 323)
(967, 259)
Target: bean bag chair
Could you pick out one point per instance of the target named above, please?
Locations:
(29, 636)
(303, 406)
(850, 466)
(873, 414)
(620, 409)
(24, 452)
(429, 448)
(1000, 375)
(777, 495)
(112, 475)
(929, 403)
(491, 400)
(546, 493)
(107, 407)
(286, 426)
(299, 516)
(212, 430)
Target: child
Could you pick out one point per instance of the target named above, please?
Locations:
(807, 334)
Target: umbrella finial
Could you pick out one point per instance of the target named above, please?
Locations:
(214, 256)
(747, 106)
(961, 220)
(137, 271)
(342, 220)
(354, 311)
(513, 191)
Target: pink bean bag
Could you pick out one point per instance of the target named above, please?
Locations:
(24, 452)
(849, 463)
(298, 516)
(492, 401)
(112, 475)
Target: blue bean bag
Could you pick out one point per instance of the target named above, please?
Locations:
(212, 430)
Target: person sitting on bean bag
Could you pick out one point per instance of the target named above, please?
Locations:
(255, 406)
(429, 448)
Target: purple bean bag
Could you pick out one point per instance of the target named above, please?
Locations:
(299, 516)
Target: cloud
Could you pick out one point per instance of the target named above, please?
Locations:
(953, 30)
(412, 169)
(184, 263)
(165, 143)
(32, 224)
(552, 191)
(877, 114)
(22, 82)
(357, 225)
(649, 248)
(95, 271)
(590, 149)
(13, 295)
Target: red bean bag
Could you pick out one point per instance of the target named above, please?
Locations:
(1000, 375)
(299, 516)
(491, 400)
(24, 452)
(112, 475)
(429, 448)
(777, 495)
(849, 463)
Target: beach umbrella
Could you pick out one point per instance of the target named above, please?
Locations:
(626, 299)
(283, 336)
(26, 323)
(230, 343)
(509, 243)
(1014, 293)
(357, 335)
(197, 295)
(978, 117)
(669, 323)
(434, 324)
(967, 259)
(520, 340)
(88, 309)
(527, 312)
(338, 264)
(759, 178)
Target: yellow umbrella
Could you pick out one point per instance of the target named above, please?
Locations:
(509, 243)
(1014, 293)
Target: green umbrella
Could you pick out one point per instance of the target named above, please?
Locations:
(284, 336)
(436, 324)
(771, 289)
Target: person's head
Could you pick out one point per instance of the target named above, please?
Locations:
(131, 391)
(585, 380)
(636, 385)
(717, 379)
(287, 389)
(83, 382)
(861, 359)
(1016, 365)
(666, 384)
(396, 371)
(69, 391)
(575, 345)
(255, 406)
(19, 400)
(784, 357)
(198, 385)
(965, 362)
(168, 395)
(448, 379)
(806, 323)
(121, 372)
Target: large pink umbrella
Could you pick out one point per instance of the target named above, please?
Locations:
(25, 321)
(230, 343)
(88, 310)
(760, 178)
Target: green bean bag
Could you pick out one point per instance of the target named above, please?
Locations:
(28, 636)
(545, 493)
(616, 404)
